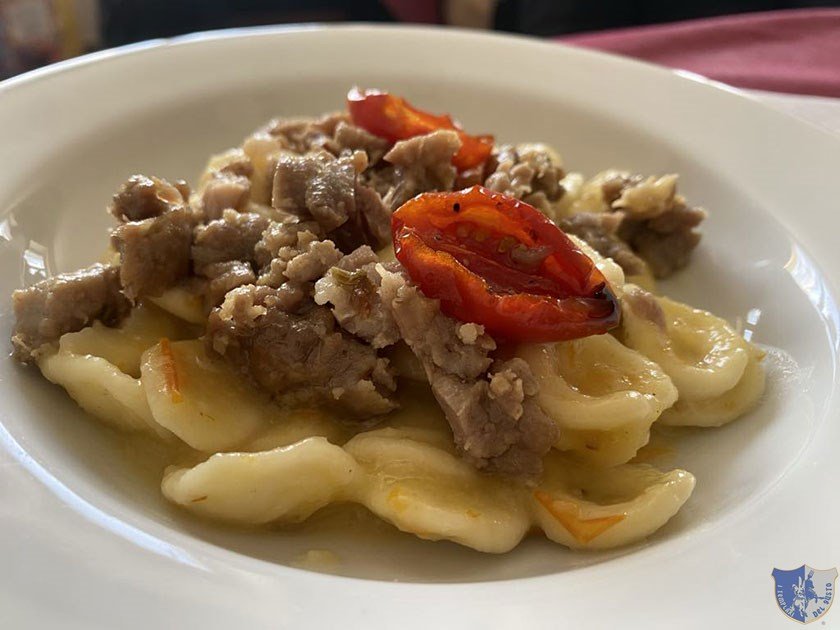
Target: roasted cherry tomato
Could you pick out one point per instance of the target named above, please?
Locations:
(496, 261)
(393, 118)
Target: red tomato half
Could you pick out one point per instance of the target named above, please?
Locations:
(499, 262)
(393, 118)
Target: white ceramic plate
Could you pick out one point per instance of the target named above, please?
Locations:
(86, 541)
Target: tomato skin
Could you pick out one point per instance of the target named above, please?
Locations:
(450, 244)
(393, 118)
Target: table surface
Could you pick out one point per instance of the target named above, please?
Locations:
(823, 112)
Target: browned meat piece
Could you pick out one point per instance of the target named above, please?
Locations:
(658, 225)
(349, 137)
(302, 135)
(302, 356)
(142, 197)
(352, 288)
(423, 163)
(600, 229)
(292, 297)
(225, 190)
(368, 224)
(324, 189)
(154, 253)
(154, 241)
(291, 257)
(279, 235)
(65, 303)
(461, 349)
(374, 217)
(495, 419)
(383, 180)
(303, 260)
(232, 237)
(529, 174)
(358, 258)
(316, 186)
(224, 277)
(665, 241)
(312, 259)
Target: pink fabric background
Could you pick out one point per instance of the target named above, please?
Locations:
(418, 11)
(783, 51)
(796, 51)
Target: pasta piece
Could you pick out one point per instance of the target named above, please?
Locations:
(430, 492)
(218, 162)
(122, 346)
(603, 396)
(420, 412)
(102, 390)
(201, 399)
(596, 383)
(412, 478)
(285, 484)
(584, 195)
(714, 412)
(262, 149)
(594, 508)
(645, 279)
(701, 353)
(181, 302)
(572, 185)
(299, 424)
(604, 448)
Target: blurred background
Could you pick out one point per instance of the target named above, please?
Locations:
(38, 32)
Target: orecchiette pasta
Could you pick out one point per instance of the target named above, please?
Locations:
(98, 365)
(572, 185)
(123, 346)
(700, 352)
(603, 395)
(201, 399)
(101, 389)
(294, 425)
(582, 195)
(583, 507)
(182, 303)
(412, 479)
(289, 463)
(285, 484)
(430, 492)
(262, 151)
(714, 412)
